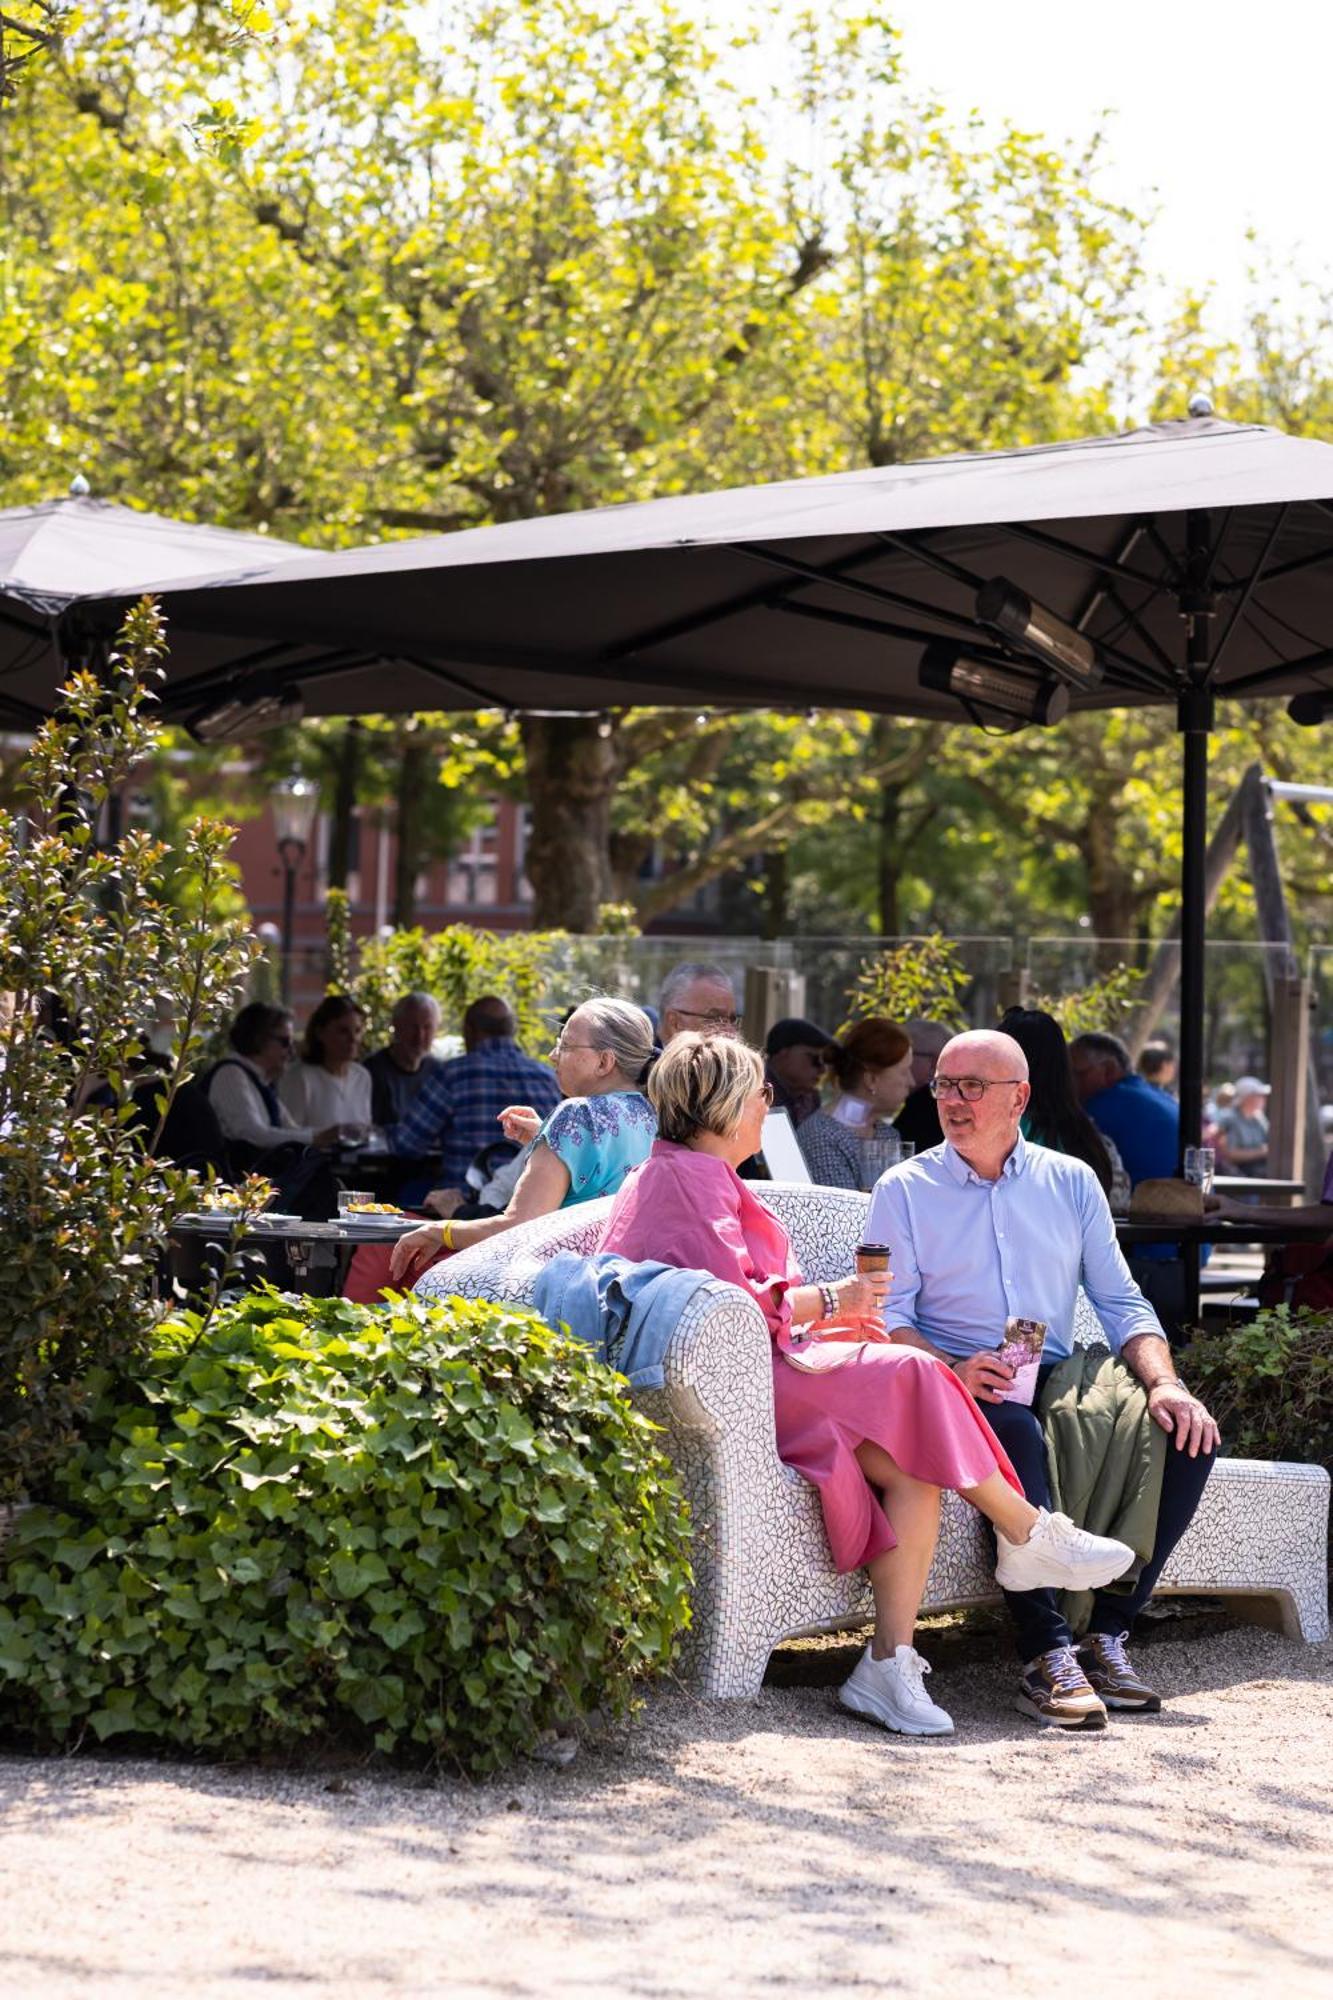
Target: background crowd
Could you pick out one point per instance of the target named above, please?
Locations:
(494, 1134)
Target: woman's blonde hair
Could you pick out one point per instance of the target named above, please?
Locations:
(701, 1084)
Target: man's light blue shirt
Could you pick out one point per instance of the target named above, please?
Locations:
(968, 1253)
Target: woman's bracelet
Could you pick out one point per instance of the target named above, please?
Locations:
(828, 1299)
(446, 1235)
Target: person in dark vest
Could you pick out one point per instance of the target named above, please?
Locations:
(260, 1132)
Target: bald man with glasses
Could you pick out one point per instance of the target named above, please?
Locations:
(986, 1227)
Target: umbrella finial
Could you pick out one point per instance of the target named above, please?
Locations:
(79, 487)
(1200, 405)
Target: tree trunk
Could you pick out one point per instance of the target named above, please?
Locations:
(1113, 903)
(888, 856)
(407, 862)
(571, 778)
(777, 891)
(346, 781)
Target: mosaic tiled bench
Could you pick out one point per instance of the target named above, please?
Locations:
(762, 1569)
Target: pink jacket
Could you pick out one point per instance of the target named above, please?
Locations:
(694, 1211)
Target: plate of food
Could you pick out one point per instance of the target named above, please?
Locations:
(371, 1214)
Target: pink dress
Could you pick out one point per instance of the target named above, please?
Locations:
(691, 1210)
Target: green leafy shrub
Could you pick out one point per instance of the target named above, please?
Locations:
(1100, 1008)
(458, 965)
(1269, 1384)
(922, 977)
(439, 1528)
(540, 973)
(93, 939)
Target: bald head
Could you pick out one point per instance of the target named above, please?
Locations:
(981, 1091)
(985, 1052)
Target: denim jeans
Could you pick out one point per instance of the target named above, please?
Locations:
(1038, 1622)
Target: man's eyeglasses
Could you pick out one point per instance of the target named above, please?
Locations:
(284, 1041)
(970, 1088)
(712, 1019)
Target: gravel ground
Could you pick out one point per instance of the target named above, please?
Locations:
(758, 1847)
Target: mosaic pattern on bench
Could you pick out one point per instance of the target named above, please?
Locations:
(761, 1558)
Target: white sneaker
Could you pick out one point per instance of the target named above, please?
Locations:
(891, 1691)
(1059, 1556)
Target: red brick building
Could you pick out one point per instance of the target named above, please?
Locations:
(483, 883)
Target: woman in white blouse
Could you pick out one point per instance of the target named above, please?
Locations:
(328, 1086)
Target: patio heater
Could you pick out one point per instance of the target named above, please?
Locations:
(294, 801)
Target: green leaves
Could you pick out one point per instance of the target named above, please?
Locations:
(924, 977)
(1270, 1384)
(475, 1539)
(91, 950)
(458, 965)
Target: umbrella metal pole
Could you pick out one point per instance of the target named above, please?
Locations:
(288, 927)
(1195, 720)
(291, 853)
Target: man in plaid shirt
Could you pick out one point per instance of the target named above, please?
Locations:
(456, 1112)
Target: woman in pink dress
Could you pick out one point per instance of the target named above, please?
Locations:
(878, 1428)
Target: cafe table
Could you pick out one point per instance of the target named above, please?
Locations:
(1222, 1229)
(1218, 1229)
(1242, 1184)
(298, 1237)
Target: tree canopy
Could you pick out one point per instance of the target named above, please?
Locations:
(341, 272)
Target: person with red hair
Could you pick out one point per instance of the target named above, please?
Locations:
(872, 1066)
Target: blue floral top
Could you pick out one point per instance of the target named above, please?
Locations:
(599, 1139)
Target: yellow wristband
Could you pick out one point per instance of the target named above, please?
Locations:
(447, 1235)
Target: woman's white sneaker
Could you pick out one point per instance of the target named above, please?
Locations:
(1059, 1556)
(892, 1691)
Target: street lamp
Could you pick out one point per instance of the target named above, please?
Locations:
(295, 801)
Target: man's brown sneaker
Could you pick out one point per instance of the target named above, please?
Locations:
(1104, 1660)
(1055, 1689)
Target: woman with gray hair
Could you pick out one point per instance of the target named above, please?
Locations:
(604, 1126)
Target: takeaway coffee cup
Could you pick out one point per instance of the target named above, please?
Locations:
(872, 1260)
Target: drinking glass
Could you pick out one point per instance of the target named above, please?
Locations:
(349, 1197)
(1200, 1165)
(878, 1153)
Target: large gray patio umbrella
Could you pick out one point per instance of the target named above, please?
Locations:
(1165, 566)
(57, 553)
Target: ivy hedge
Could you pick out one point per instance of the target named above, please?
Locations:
(1269, 1384)
(438, 1529)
